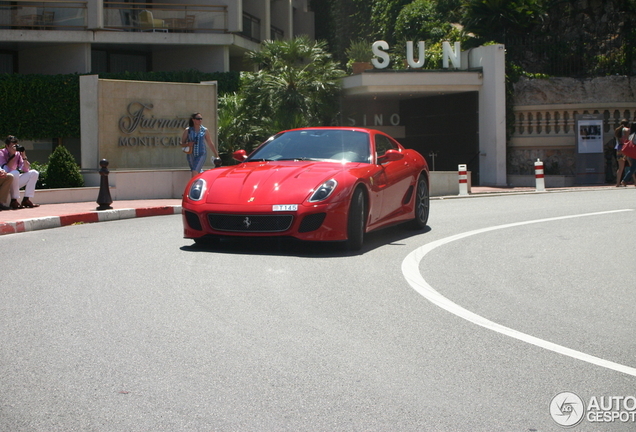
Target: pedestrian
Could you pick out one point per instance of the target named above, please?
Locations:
(6, 180)
(611, 163)
(13, 160)
(629, 157)
(195, 141)
(621, 134)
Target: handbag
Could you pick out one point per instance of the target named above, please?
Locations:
(629, 149)
(187, 149)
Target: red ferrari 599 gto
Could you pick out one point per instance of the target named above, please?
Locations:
(320, 184)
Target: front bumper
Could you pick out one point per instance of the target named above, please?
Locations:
(314, 222)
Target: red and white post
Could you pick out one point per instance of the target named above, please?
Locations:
(463, 180)
(538, 176)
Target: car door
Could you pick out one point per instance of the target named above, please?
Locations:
(396, 177)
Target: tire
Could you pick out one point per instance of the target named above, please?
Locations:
(422, 203)
(356, 221)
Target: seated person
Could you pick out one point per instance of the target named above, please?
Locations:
(16, 163)
(6, 180)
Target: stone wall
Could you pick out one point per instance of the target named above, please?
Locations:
(545, 112)
(559, 91)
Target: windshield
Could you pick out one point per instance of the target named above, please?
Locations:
(317, 144)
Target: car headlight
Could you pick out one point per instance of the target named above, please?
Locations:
(197, 190)
(323, 192)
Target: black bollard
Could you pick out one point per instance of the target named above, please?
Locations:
(103, 199)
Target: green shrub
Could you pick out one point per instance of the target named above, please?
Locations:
(359, 51)
(42, 169)
(63, 171)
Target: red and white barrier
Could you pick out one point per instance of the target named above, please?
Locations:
(463, 180)
(538, 176)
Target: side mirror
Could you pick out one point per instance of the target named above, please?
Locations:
(391, 156)
(240, 155)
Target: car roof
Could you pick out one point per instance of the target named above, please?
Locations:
(350, 128)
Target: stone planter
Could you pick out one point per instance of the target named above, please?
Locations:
(359, 67)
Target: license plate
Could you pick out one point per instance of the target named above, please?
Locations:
(285, 207)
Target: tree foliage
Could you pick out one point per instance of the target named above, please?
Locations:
(296, 86)
(384, 14)
(494, 19)
(420, 20)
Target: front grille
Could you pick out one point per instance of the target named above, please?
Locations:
(312, 222)
(250, 223)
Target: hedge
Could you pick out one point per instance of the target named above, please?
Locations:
(47, 106)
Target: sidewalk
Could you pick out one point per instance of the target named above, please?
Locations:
(58, 215)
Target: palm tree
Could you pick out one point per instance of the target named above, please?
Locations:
(296, 85)
(237, 127)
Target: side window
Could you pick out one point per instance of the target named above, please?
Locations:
(382, 144)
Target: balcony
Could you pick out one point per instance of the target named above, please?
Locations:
(251, 27)
(43, 15)
(157, 17)
(118, 16)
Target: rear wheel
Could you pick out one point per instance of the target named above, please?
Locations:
(422, 203)
(356, 221)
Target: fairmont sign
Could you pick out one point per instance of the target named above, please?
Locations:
(450, 55)
(139, 128)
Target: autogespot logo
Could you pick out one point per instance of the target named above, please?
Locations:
(567, 409)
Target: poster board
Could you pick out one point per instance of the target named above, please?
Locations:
(590, 161)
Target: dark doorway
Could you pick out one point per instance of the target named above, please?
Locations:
(446, 126)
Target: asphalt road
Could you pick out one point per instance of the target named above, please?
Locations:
(475, 324)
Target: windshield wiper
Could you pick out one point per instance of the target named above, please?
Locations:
(301, 159)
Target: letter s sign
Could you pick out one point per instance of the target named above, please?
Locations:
(382, 59)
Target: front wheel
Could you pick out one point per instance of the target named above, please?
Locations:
(422, 203)
(356, 221)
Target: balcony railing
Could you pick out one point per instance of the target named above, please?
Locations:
(160, 17)
(251, 27)
(277, 34)
(43, 15)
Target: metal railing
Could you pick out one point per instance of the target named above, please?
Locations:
(43, 15)
(251, 27)
(276, 33)
(163, 17)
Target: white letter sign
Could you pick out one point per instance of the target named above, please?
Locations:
(455, 57)
(421, 57)
(382, 59)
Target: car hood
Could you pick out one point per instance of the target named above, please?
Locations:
(270, 182)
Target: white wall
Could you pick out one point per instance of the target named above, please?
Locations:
(492, 113)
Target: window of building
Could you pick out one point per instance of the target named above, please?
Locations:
(110, 61)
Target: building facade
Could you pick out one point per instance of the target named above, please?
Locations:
(95, 36)
(452, 116)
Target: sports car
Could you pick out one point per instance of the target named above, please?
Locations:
(316, 184)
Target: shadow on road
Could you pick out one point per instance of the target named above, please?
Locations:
(288, 246)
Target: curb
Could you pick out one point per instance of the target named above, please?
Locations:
(524, 192)
(81, 218)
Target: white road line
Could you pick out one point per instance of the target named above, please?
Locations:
(411, 271)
